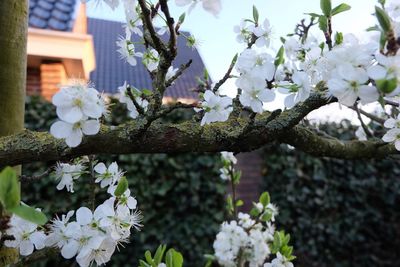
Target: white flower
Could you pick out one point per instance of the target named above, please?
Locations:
(170, 73)
(224, 174)
(292, 47)
(125, 98)
(299, 91)
(26, 236)
(107, 176)
(254, 92)
(279, 261)
(388, 68)
(67, 173)
(212, 6)
(151, 59)
(263, 33)
(393, 135)
(57, 236)
(101, 254)
(73, 132)
(349, 83)
(258, 64)
(215, 107)
(133, 26)
(228, 156)
(77, 102)
(125, 199)
(243, 32)
(127, 50)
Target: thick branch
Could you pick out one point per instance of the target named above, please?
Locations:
(233, 135)
(310, 142)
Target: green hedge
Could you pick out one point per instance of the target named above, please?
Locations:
(339, 213)
(181, 196)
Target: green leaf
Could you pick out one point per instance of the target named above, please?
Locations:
(235, 59)
(386, 86)
(279, 59)
(255, 14)
(338, 38)
(144, 264)
(266, 217)
(121, 187)
(159, 254)
(177, 259)
(265, 199)
(182, 18)
(30, 214)
(326, 7)
(146, 92)
(149, 259)
(239, 203)
(313, 15)
(373, 28)
(10, 195)
(323, 23)
(340, 8)
(383, 19)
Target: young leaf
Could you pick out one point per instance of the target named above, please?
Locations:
(29, 214)
(121, 187)
(326, 7)
(10, 195)
(338, 38)
(177, 259)
(265, 199)
(239, 203)
(383, 19)
(340, 8)
(279, 59)
(255, 14)
(147, 256)
(386, 86)
(159, 254)
(323, 23)
(181, 18)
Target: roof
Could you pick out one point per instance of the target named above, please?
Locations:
(111, 71)
(52, 14)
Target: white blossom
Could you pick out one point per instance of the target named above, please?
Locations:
(107, 176)
(393, 135)
(73, 132)
(126, 49)
(125, 98)
(298, 91)
(348, 83)
(279, 261)
(243, 32)
(215, 107)
(67, 173)
(26, 236)
(212, 6)
(263, 34)
(151, 59)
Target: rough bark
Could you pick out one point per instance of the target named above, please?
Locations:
(13, 34)
(237, 135)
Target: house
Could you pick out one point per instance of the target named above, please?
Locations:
(64, 44)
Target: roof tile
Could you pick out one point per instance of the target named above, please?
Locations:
(52, 14)
(111, 72)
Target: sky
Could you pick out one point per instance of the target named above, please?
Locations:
(218, 45)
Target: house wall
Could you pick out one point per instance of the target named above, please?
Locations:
(33, 86)
(249, 189)
(52, 74)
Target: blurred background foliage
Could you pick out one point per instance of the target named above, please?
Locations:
(338, 212)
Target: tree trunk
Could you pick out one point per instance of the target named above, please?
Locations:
(13, 36)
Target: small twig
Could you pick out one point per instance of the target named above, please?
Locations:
(154, 10)
(226, 76)
(392, 103)
(138, 107)
(168, 109)
(171, 27)
(363, 125)
(28, 179)
(92, 196)
(148, 24)
(179, 72)
(370, 116)
(36, 256)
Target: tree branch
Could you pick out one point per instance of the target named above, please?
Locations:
(308, 141)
